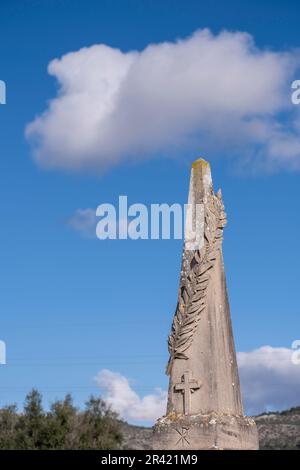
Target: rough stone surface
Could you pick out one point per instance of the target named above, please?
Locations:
(277, 430)
(204, 408)
(211, 432)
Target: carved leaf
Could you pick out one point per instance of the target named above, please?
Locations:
(193, 288)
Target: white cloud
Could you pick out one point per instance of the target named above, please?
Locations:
(205, 93)
(269, 380)
(84, 222)
(122, 398)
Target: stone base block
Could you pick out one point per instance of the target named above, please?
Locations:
(206, 432)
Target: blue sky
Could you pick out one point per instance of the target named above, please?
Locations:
(72, 306)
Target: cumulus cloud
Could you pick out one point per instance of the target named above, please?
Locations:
(270, 380)
(207, 93)
(122, 398)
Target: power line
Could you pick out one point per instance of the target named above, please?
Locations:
(28, 358)
(70, 388)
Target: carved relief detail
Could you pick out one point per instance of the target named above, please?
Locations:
(183, 440)
(196, 270)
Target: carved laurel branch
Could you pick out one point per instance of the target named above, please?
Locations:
(193, 289)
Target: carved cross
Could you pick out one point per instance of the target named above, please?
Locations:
(184, 435)
(186, 387)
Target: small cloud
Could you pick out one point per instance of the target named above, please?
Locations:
(84, 222)
(122, 398)
(269, 379)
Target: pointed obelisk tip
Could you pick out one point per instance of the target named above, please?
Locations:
(201, 177)
(200, 163)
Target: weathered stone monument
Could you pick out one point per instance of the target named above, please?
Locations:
(204, 409)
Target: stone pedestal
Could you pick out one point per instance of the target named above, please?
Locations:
(205, 432)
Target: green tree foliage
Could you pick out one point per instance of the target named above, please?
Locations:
(99, 425)
(8, 424)
(63, 427)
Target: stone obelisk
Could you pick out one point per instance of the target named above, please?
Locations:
(204, 408)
